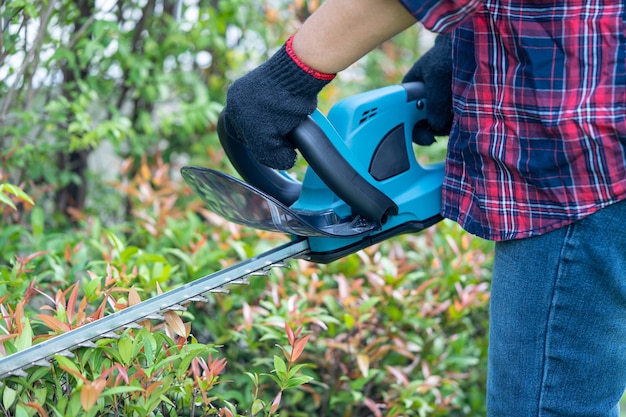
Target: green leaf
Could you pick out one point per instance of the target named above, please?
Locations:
(74, 407)
(163, 363)
(149, 345)
(295, 369)
(16, 191)
(38, 373)
(150, 258)
(348, 319)
(6, 200)
(257, 406)
(8, 397)
(40, 394)
(91, 287)
(113, 353)
(125, 347)
(25, 339)
(253, 377)
(115, 241)
(368, 304)
(21, 411)
(298, 380)
(37, 221)
(190, 353)
(280, 367)
(66, 362)
(128, 253)
(120, 390)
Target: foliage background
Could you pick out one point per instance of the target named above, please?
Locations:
(101, 103)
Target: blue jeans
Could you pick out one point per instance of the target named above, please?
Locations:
(558, 321)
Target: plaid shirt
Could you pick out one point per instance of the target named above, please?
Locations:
(539, 137)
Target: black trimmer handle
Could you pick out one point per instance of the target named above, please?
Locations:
(325, 160)
(253, 172)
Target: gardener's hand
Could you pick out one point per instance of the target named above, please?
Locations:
(265, 105)
(434, 69)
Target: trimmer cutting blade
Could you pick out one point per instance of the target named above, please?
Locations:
(240, 203)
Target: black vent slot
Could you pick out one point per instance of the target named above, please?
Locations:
(368, 114)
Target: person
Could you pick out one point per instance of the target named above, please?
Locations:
(535, 162)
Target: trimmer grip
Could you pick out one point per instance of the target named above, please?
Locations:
(268, 180)
(333, 169)
(325, 160)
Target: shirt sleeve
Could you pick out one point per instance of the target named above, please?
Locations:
(441, 16)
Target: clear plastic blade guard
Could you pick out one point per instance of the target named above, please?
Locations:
(240, 203)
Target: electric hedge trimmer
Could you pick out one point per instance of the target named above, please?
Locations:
(363, 185)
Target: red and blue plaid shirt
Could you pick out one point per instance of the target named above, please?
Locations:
(539, 90)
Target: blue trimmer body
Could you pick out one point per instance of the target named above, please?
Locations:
(363, 183)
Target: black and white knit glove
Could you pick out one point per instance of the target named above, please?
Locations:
(263, 106)
(434, 69)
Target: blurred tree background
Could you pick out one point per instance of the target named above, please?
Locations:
(101, 103)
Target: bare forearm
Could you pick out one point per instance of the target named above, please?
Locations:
(342, 31)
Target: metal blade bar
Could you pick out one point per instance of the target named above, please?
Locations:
(16, 363)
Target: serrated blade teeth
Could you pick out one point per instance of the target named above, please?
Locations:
(280, 265)
(176, 307)
(66, 353)
(18, 372)
(240, 281)
(154, 316)
(110, 335)
(43, 363)
(87, 344)
(220, 290)
(133, 325)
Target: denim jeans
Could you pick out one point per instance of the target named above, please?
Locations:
(558, 321)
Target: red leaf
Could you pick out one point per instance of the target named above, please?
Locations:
(37, 407)
(19, 315)
(71, 304)
(53, 323)
(175, 323)
(290, 335)
(133, 297)
(29, 292)
(247, 315)
(90, 393)
(373, 407)
(68, 254)
(80, 314)
(217, 366)
(195, 368)
(59, 299)
(75, 373)
(152, 387)
(225, 412)
(298, 347)
(123, 373)
(32, 256)
(401, 377)
(99, 313)
(5, 337)
(276, 402)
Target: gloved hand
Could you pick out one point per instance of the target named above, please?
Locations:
(263, 106)
(434, 69)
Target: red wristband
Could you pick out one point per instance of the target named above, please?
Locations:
(292, 54)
